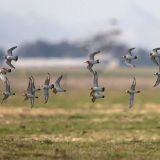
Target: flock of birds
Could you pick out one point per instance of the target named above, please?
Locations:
(96, 90)
(31, 89)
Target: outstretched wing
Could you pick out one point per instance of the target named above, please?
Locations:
(4, 98)
(130, 51)
(93, 54)
(157, 81)
(8, 89)
(154, 60)
(47, 80)
(155, 49)
(8, 61)
(128, 63)
(57, 83)
(131, 100)
(95, 79)
(46, 95)
(9, 52)
(29, 88)
(2, 77)
(89, 67)
(133, 86)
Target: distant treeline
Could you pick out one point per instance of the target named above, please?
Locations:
(107, 42)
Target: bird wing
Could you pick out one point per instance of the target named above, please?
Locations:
(133, 86)
(32, 102)
(9, 52)
(8, 89)
(47, 81)
(8, 61)
(155, 49)
(2, 77)
(157, 81)
(57, 83)
(4, 98)
(95, 79)
(130, 51)
(29, 88)
(154, 60)
(128, 63)
(46, 94)
(33, 84)
(89, 67)
(131, 100)
(93, 54)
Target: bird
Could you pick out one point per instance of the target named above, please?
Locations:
(95, 84)
(7, 91)
(129, 57)
(9, 57)
(132, 92)
(155, 56)
(46, 86)
(30, 92)
(34, 89)
(96, 95)
(92, 61)
(57, 87)
(158, 79)
(3, 72)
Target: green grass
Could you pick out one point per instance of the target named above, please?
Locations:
(70, 127)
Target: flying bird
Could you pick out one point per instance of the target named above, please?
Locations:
(132, 92)
(158, 79)
(9, 57)
(95, 86)
(57, 87)
(7, 93)
(155, 56)
(46, 87)
(129, 57)
(34, 89)
(30, 92)
(3, 72)
(96, 95)
(92, 61)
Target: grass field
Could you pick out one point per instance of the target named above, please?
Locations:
(71, 127)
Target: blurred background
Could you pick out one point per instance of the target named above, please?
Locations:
(63, 33)
(56, 36)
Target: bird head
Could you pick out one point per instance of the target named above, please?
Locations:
(103, 96)
(86, 62)
(127, 91)
(52, 86)
(97, 61)
(13, 94)
(138, 91)
(156, 73)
